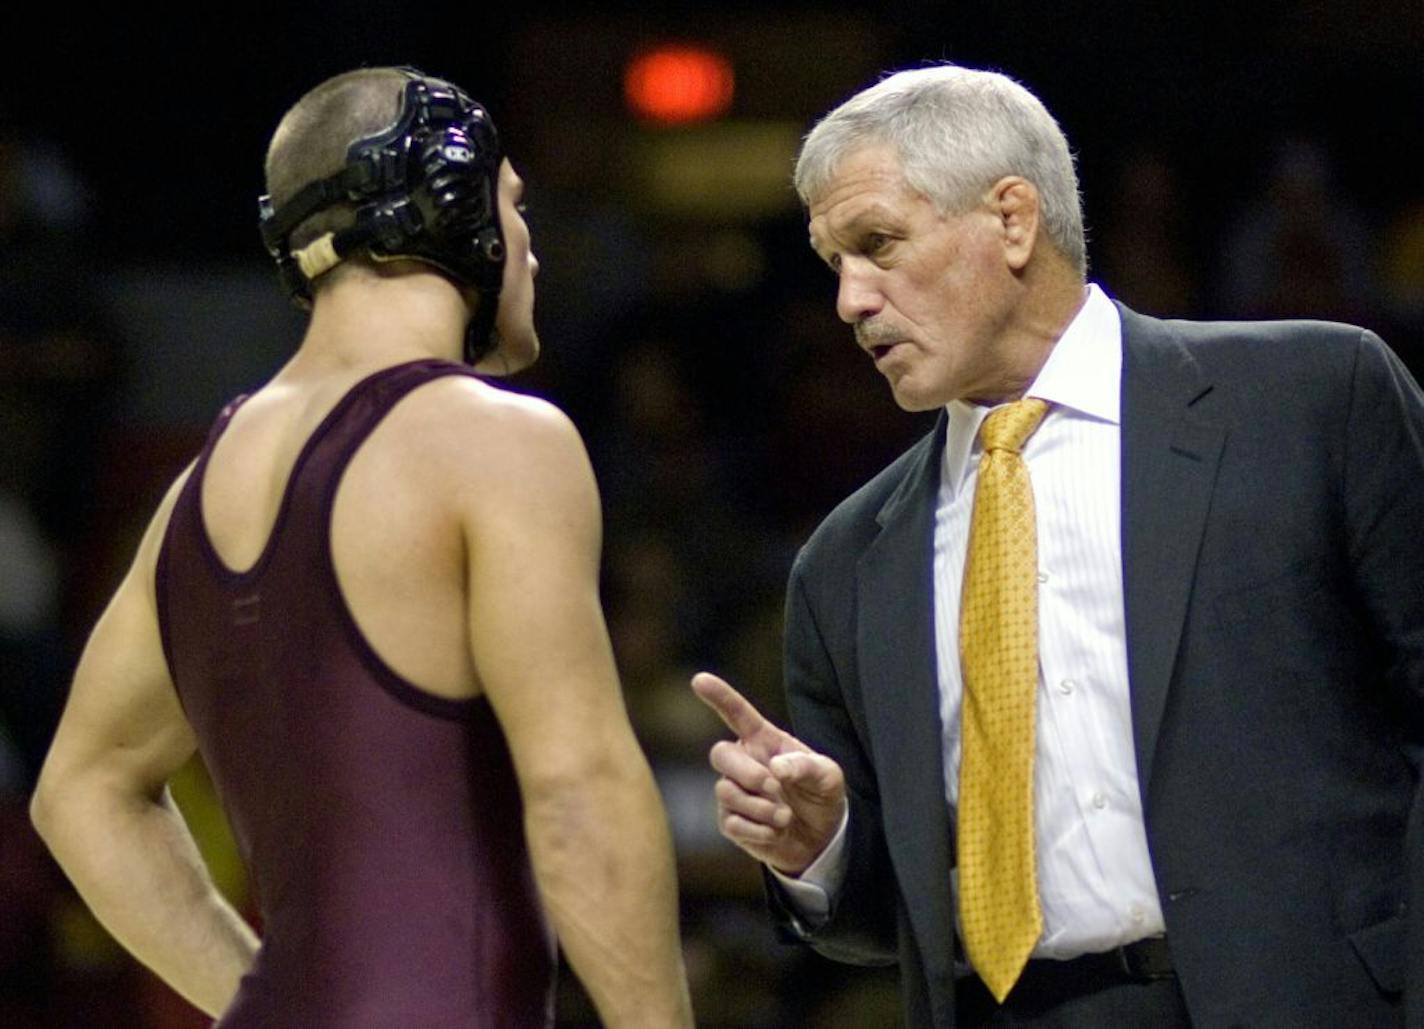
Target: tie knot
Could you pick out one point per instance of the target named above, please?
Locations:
(1007, 427)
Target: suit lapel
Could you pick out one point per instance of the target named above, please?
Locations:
(1170, 453)
(896, 657)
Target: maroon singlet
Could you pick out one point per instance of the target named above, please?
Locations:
(380, 825)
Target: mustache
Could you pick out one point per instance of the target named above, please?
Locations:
(877, 334)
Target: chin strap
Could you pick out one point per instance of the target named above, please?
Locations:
(480, 337)
(318, 257)
(326, 252)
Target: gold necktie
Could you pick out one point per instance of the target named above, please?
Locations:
(998, 646)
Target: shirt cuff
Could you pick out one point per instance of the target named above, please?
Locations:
(811, 892)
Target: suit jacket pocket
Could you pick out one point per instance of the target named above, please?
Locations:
(1381, 949)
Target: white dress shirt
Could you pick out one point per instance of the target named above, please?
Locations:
(1094, 875)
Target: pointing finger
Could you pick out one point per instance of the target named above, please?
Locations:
(733, 708)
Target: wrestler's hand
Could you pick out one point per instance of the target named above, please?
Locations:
(778, 800)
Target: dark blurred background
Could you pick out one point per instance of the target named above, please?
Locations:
(1237, 160)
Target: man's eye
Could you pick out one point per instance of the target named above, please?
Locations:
(875, 242)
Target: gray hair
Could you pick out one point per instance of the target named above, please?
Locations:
(956, 131)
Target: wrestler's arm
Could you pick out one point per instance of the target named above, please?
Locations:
(597, 832)
(102, 805)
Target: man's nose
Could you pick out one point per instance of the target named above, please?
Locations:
(857, 298)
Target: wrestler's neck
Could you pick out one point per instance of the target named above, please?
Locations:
(373, 316)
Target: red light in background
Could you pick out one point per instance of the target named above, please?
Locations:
(674, 84)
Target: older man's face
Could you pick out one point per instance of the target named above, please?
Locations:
(930, 296)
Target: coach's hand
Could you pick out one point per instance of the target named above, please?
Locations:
(778, 800)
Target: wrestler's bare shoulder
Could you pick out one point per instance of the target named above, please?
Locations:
(503, 415)
(477, 431)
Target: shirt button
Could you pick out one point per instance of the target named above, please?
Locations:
(1099, 801)
(1136, 913)
(1042, 576)
(1067, 686)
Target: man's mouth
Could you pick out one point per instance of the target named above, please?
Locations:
(878, 351)
(877, 341)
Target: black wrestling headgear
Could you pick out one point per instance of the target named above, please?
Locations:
(425, 189)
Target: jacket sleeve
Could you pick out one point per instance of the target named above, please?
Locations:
(1384, 497)
(1384, 494)
(861, 926)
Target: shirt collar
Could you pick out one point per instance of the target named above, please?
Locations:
(1084, 369)
(1083, 374)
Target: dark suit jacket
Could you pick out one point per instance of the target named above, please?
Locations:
(1273, 562)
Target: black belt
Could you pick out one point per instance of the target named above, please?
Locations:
(1135, 962)
(1046, 982)
(1144, 961)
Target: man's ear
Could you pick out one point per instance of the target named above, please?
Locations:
(1014, 201)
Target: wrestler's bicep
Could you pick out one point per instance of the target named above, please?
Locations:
(537, 633)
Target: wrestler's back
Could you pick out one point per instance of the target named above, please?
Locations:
(379, 819)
